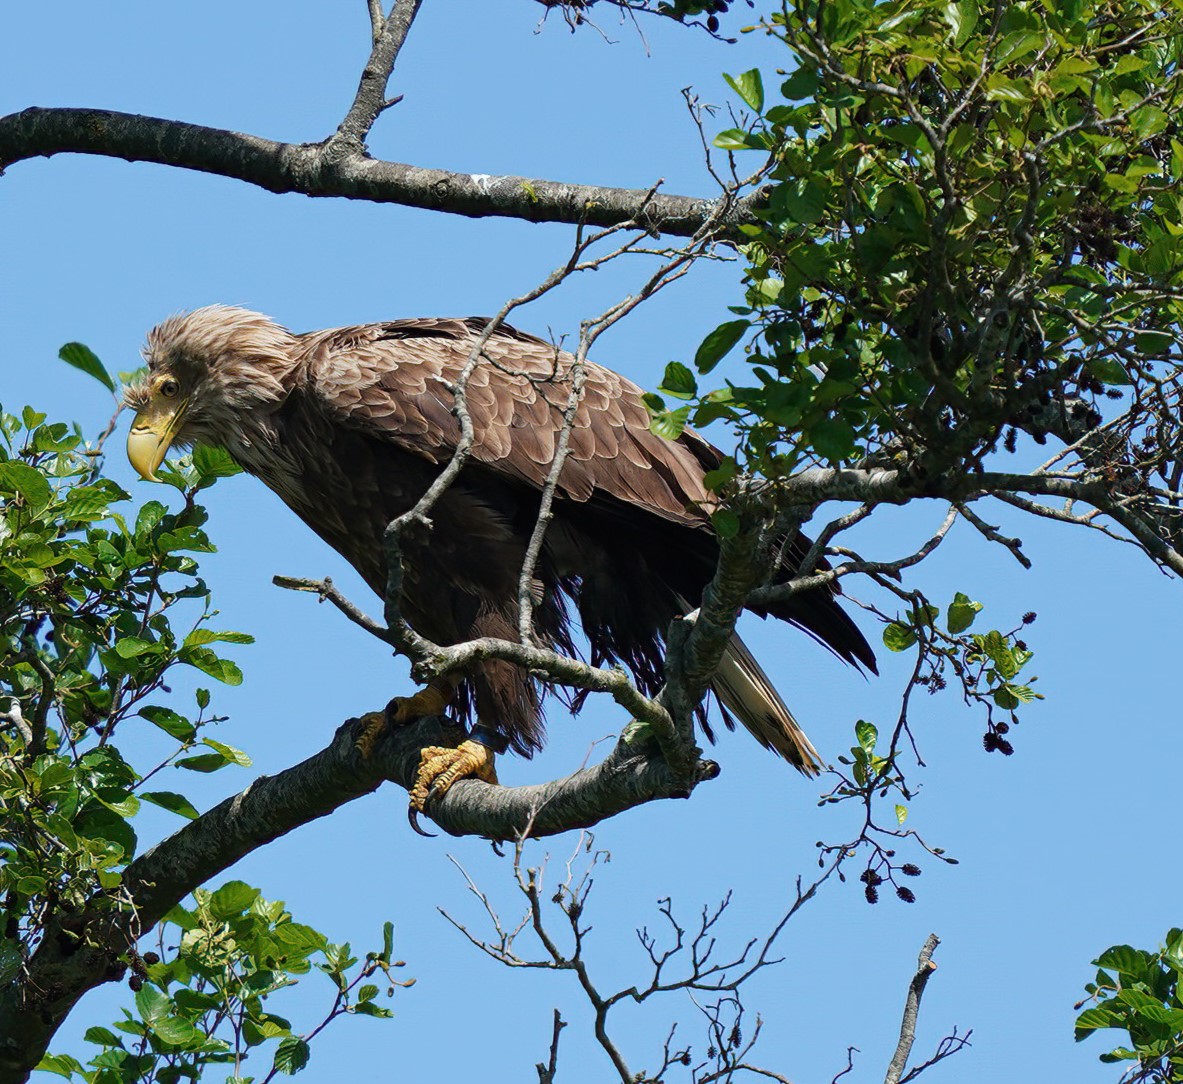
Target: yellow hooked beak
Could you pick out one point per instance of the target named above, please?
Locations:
(152, 432)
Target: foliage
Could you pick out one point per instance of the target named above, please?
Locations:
(1138, 992)
(209, 1003)
(972, 212)
(99, 612)
(89, 601)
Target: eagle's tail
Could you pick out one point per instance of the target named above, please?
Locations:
(746, 692)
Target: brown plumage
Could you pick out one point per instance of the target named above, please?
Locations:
(349, 426)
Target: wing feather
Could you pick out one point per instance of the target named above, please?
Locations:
(393, 380)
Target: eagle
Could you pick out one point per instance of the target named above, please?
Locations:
(350, 426)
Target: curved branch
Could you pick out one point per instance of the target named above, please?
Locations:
(84, 950)
(319, 169)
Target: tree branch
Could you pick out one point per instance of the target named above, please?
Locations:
(319, 169)
(924, 969)
(83, 951)
(370, 99)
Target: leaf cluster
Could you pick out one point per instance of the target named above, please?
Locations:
(972, 213)
(210, 1001)
(1139, 992)
(89, 606)
(987, 666)
(101, 608)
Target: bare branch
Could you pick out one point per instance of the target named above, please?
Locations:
(370, 99)
(546, 1073)
(924, 969)
(325, 589)
(310, 169)
(84, 951)
(992, 534)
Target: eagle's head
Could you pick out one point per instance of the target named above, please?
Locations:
(214, 376)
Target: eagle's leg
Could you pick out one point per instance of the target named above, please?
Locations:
(432, 699)
(440, 766)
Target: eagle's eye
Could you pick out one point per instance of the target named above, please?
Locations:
(169, 388)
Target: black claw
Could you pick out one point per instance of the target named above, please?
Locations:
(413, 821)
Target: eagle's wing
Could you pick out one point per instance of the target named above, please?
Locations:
(392, 380)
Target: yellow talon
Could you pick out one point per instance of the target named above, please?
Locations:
(440, 767)
(373, 723)
(431, 700)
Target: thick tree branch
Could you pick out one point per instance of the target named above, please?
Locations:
(84, 950)
(319, 169)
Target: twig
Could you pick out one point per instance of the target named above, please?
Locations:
(325, 589)
(546, 1073)
(370, 100)
(1015, 545)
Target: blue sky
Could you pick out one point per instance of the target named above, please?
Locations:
(1064, 848)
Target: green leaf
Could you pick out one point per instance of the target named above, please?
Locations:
(173, 802)
(209, 663)
(721, 475)
(803, 83)
(203, 762)
(1005, 699)
(176, 726)
(131, 647)
(1118, 1053)
(670, 423)
(291, 1055)
(718, 344)
(27, 481)
(201, 636)
(800, 201)
(125, 805)
(149, 517)
(725, 522)
(1109, 371)
(737, 139)
(962, 611)
(62, 1065)
(234, 756)
(867, 736)
(897, 637)
(1099, 1016)
(832, 439)
(368, 1008)
(102, 1037)
(86, 503)
(962, 19)
(1125, 960)
(750, 87)
(153, 1004)
(678, 381)
(213, 463)
(178, 1032)
(298, 938)
(901, 814)
(232, 899)
(82, 357)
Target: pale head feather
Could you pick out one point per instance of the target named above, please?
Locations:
(235, 368)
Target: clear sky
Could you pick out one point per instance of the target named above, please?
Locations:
(1064, 848)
